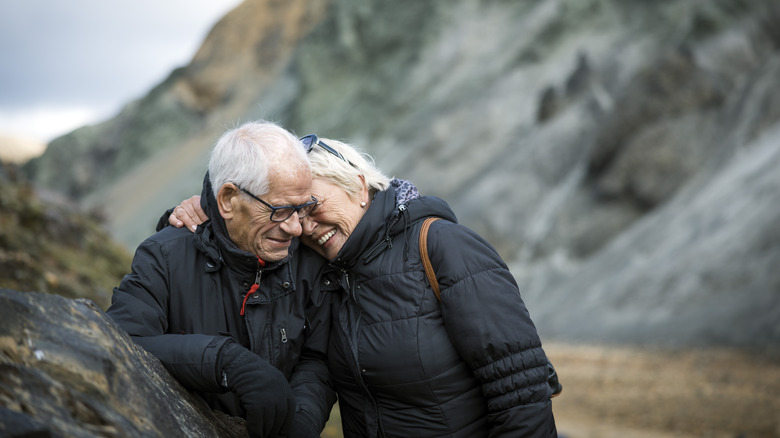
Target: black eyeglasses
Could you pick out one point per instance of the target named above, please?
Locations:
(281, 214)
(310, 140)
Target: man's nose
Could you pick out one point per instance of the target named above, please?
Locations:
(292, 225)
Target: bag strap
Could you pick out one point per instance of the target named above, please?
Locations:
(424, 256)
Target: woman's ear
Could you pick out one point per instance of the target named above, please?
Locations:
(364, 195)
(226, 198)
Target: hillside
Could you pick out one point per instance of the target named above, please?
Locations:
(620, 155)
(47, 245)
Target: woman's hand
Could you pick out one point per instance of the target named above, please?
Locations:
(188, 213)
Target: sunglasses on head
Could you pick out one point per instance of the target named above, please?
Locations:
(311, 140)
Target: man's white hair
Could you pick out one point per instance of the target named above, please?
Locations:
(245, 156)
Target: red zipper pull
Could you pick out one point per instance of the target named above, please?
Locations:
(253, 289)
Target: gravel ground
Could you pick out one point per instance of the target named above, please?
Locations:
(612, 392)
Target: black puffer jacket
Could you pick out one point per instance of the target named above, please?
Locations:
(406, 365)
(183, 300)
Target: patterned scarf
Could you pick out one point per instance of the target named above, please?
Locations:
(405, 191)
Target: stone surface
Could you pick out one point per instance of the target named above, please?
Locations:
(66, 370)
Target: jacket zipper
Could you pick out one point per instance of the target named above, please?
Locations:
(386, 242)
(252, 290)
(360, 377)
(282, 357)
(352, 346)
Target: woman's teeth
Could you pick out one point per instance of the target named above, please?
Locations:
(321, 241)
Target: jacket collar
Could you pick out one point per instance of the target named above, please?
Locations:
(384, 219)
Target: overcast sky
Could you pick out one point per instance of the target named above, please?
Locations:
(67, 63)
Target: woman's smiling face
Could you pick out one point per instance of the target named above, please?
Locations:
(328, 226)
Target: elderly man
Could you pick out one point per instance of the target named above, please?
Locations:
(225, 309)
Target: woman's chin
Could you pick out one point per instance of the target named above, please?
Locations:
(329, 249)
(316, 247)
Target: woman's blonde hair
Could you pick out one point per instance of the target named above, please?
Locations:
(345, 172)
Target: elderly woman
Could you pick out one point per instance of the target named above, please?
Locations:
(404, 363)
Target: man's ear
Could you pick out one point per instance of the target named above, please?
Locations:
(226, 198)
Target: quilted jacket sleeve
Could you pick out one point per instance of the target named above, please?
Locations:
(139, 306)
(492, 330)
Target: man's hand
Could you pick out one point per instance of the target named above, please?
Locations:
(263, 391)
(188, 213)
(302, 428)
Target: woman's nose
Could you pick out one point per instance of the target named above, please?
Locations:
(307, 225)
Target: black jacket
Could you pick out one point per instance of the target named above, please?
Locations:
(406, 365)
(183, 299)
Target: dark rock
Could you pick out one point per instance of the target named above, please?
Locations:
(548, 105)
(579, 79)
(66, 370)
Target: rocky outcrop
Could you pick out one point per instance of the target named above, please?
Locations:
(66, 370)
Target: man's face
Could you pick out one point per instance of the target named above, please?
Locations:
(249, 222)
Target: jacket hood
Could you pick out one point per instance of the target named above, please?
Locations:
(392, 211)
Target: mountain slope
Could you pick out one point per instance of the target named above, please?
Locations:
(586, 139)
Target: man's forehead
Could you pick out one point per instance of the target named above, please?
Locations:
(289, 173)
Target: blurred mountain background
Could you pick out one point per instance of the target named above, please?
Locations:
(622, 156)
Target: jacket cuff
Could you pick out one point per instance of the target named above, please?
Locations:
(211, 360)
